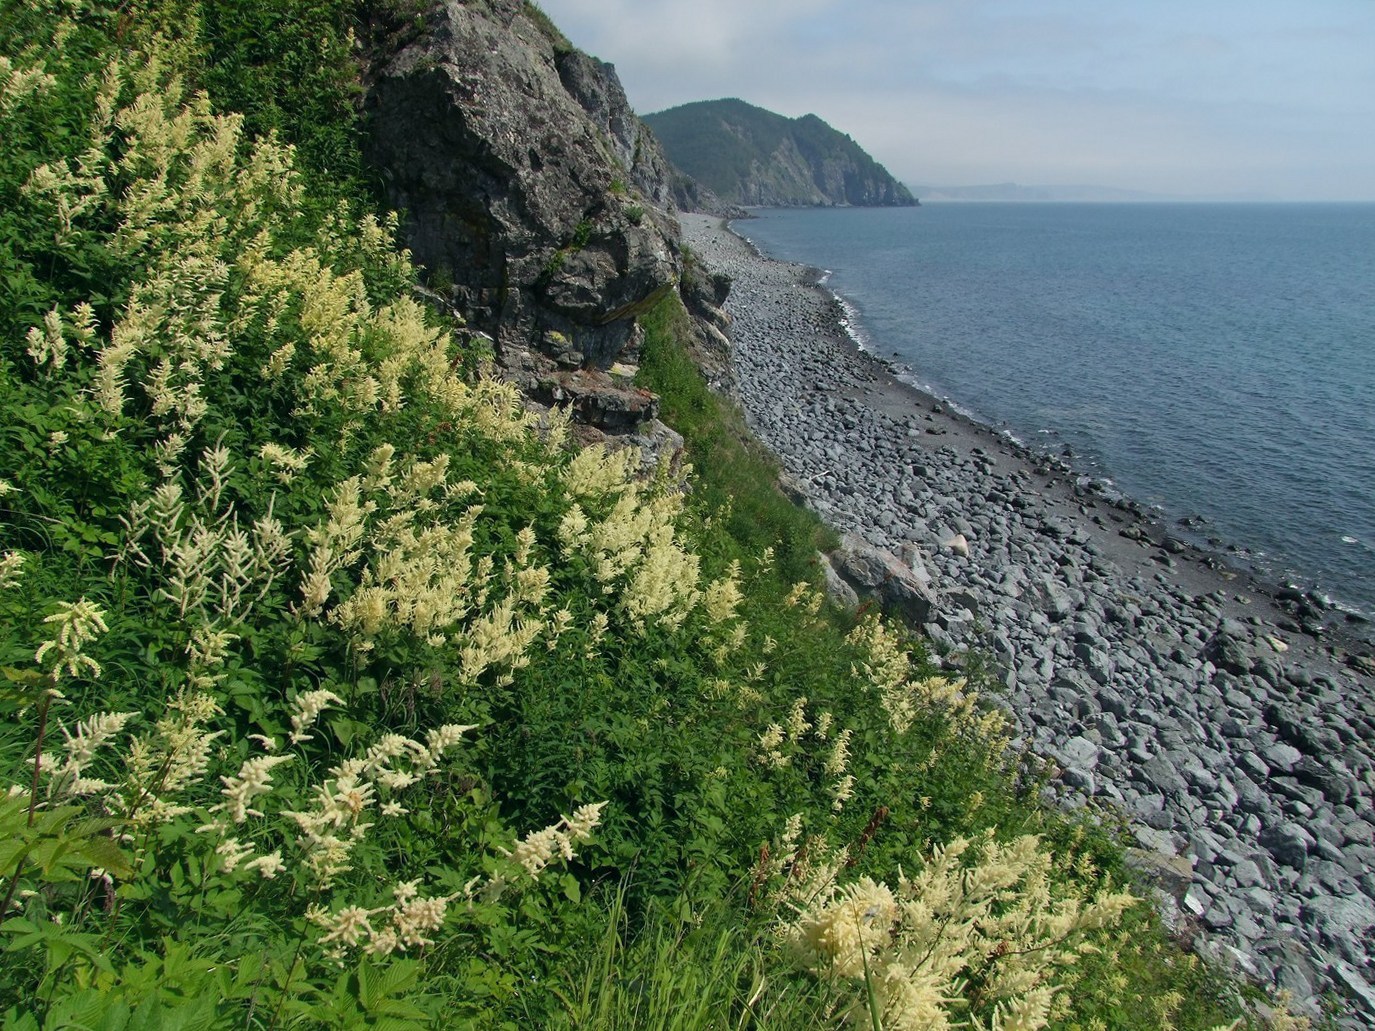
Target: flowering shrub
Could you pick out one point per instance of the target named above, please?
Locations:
(238, 357)
(977, 930)
(338, 691)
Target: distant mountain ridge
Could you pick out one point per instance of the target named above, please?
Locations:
(1077, 193)
(750, 156)
(1019, 192)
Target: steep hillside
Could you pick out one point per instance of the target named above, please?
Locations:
(747, 155)
(339, 688)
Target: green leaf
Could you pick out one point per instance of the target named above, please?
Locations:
(11, 849)
(13, 1020)
(104, 853)
(22, 686)
(378, 985)
(88, 1009)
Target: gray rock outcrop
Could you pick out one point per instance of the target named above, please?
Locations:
(529, 190)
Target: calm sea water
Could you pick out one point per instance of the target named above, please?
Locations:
(1217, 361)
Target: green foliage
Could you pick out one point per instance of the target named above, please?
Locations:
(339, 690)
(682, 975)
(737, 475)
(694, 138)
(288, 67)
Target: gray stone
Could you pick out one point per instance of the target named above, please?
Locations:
(1162, 774)
(1078, 753)
(1358, 832)
(1159, 842)
(879, 573)
(1295, 972)
(837, 590)
(1172, 874)
(1289, 843)
(1352, 917)
(1247, 874)
(1281, 756)
(1357, 988)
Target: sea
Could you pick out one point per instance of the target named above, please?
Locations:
(1213, 361)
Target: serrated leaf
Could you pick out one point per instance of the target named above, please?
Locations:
(89, 1009)
(399, 1012)
(369, 982)
(103, 852)
(399, 975)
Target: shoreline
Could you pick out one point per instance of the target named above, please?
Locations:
(1161, 681)
(1345, 626)
(1329, 625)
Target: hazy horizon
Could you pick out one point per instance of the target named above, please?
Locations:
(1264, 100)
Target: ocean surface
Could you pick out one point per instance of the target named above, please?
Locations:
(1214, 360)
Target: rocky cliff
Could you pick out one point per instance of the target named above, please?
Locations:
(533, 194)
(595, 85)
(747, 155)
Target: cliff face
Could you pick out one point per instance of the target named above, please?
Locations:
(530, 190)
(595, 86)
(751, 156)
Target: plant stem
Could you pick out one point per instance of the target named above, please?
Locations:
(9, 894)
(43, 707)
(281, 1001)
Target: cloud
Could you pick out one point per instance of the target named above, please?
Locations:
(704, 37)
(1182, 97)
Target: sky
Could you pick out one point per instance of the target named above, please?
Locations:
(1267, 99)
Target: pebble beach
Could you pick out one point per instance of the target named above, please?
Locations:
(1231, 722)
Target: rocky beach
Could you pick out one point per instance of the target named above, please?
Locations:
(1232, 723)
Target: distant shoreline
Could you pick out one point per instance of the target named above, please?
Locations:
(1273, 569)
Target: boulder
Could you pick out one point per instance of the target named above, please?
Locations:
(1357, 987)
(880, 574)
(1289, 843)
(837, 589)
(1171, 874)
(1228, 649)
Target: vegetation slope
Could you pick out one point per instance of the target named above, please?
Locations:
(341, 691)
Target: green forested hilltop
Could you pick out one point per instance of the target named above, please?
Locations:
(340, 690)
(748, 155)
